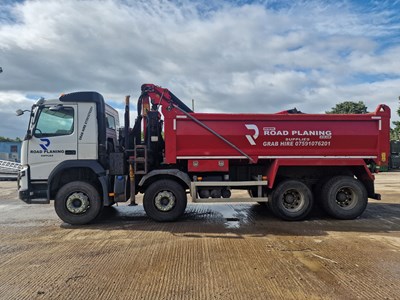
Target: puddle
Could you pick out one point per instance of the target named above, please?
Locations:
(233, 218)
(232, 224)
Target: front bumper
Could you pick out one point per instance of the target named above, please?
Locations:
(31, 193)
(24, 196)
(23, 184)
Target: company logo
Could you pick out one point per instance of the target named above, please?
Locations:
(252, 138)
(322, 134)
(276, 136)
(45, 144)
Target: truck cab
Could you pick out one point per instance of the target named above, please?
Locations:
(67, 139)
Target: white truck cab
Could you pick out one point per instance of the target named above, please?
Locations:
(68, 140)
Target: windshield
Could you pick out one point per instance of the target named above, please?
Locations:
(54, 121)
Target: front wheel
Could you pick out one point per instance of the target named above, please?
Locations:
(344, 197)
(78, 203)
(291, 200)
(165, 200)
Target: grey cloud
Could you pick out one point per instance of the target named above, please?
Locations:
(249, 58)
(11, 125)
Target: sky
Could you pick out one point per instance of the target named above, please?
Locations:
(229, 56)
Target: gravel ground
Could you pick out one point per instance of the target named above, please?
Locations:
(217, 251)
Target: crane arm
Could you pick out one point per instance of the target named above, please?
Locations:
(160, 96)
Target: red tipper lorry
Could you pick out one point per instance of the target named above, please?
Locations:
(289, 160)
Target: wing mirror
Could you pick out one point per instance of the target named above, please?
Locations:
(20, 112)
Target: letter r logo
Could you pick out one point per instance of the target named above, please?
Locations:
(45, 144)
(252, 138)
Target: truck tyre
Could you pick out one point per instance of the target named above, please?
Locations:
(78, 203)
(165, 200)
(344, 197)
(291, 200)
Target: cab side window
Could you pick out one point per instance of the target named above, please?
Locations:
(110, 122)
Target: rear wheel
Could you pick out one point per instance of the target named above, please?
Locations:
(77, 203)
(344, 197)
(165, 200)
(291, 200)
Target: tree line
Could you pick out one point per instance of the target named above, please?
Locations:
(6, 139)
(351, 107)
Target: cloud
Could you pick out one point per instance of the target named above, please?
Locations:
(11, 125)
(237, 56)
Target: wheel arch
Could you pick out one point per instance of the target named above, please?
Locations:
(85, 170)
(174, 174)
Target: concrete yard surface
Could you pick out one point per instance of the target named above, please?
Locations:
(216, 251)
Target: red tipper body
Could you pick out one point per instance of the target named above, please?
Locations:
(328, 139)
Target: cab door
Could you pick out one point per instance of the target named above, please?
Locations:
(54, 139)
